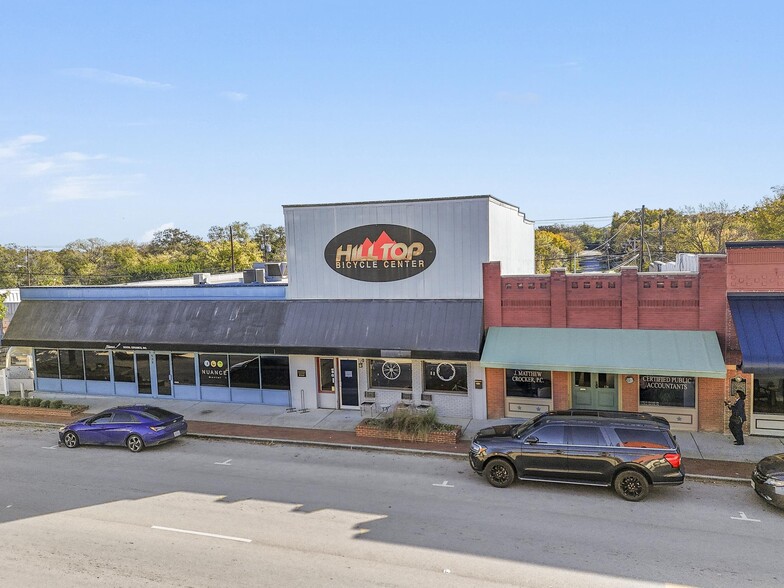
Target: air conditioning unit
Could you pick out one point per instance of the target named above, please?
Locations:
(250, 276)
(199, 279)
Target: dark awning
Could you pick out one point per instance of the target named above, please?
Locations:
(759, 322)
(449, 329)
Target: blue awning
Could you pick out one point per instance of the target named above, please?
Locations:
(759, 322)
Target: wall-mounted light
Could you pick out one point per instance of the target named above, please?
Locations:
(629, 380)
(738, 378)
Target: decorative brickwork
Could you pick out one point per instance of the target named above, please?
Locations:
(447, 437)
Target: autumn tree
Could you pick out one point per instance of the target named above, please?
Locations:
(767, 217)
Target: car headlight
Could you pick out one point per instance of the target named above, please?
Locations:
(775, 482)
(62, 429)
(477, 449)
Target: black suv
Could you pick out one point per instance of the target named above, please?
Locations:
(629, 451)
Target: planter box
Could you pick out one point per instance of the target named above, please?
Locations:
(37, 411)
(450, 437)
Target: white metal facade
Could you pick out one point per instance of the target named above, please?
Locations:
(466, 231)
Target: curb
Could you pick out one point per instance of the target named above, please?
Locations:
(708, 477)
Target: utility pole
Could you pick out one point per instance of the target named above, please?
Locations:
(27, 259)
(231, 242)
(642, 237)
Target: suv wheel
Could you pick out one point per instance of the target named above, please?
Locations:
(631, 485)
(499, 473)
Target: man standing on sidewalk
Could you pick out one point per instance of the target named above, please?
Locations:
(738, 416)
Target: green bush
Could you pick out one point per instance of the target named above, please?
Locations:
(410, 420)
(4, 399)
(14, 402)
(56, 404)
(35, 402)
(45, 403)
(24, 402)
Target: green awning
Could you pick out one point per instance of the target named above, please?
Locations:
(613, 351)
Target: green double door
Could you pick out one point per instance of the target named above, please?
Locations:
(596, 391)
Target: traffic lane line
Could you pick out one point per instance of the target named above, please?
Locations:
(202, 534)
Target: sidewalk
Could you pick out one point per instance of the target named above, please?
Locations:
(704, 454)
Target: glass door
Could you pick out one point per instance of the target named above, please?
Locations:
(349, 384)
(163, 374)
(595, 391)
(143, 376)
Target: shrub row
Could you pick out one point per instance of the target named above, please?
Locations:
(409, 420)
(34, 402)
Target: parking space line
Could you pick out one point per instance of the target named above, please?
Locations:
(743, 517)
(227, 462)
(202, 534)
(444, 484)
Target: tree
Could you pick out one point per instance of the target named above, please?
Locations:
(767, 217)
(551, 250)
(708, 228)
(273, 239)
(174, 242)
(241, 232)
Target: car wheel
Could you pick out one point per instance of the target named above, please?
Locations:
(135, 443)
(499, 473)
(631, 485)
(70, 439)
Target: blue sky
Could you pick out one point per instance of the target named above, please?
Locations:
(120, 118)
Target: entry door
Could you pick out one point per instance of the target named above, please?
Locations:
(143, 373)
(596, 391)
(163, 374)
(349, 384)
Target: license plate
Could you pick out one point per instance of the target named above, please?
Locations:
(176, 433)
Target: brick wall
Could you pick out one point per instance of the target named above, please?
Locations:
(561, 386)
(495, 380)
(630, 393)
(711, 412)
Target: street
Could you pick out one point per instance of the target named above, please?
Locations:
(215, 513)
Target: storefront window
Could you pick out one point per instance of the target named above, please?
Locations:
(183, 370)
(46, 363)
(769, 395)
(529, 384)
(123, 366)
(244, 371)
(446, 377)
(667, 391)
(213, 369)
(96, 365)
(275, 373)
(71, 364)
(327, 375)
(390, 374)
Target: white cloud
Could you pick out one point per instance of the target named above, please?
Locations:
(235, 96)
(108, 77)
(15, 147)
(92, 187)
(148, 235)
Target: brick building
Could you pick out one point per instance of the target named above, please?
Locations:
(665, 343)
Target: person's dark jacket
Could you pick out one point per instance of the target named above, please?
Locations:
(739, 410)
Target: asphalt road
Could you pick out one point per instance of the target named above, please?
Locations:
(213, 513)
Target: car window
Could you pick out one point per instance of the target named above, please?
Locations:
(102, 419)
(158, 414)
(125, 417)
(586, 435)
(649, 438)
(550, 434)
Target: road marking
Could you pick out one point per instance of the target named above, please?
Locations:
(444, 484)
(227, 462)
(240, 539)
(52, 447)
(9, 506)
(743, 517)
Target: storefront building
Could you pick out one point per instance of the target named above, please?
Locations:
(674, 344)
(383, 305)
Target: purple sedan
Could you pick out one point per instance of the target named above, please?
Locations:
(136, 427)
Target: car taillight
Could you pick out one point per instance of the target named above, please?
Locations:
(674, 459)
(158, 428)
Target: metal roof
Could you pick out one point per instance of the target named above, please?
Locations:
(613, 351)
(448, 329)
